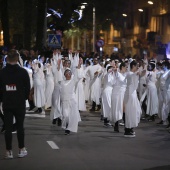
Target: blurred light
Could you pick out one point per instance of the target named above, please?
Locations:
(84, 3)
(48, 15)
(125, 15)
(1, 32)
(150, 2)
(140, 10)
(82, 7)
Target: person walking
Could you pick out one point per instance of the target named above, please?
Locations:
(14, 91)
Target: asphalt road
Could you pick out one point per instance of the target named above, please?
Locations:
(94, 147)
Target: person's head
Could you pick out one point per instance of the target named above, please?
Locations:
(95, 61)
(87, 63)
(67, 63)
(68, 74)
(12, 56)
(109, 69)
(133, 66)
(159, 65)
(165, 65)
(123, 67)
(151, 66)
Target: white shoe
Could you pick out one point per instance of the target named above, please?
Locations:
(9, 154)
(22, 153)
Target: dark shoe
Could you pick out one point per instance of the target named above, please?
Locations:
(129, 135)
(31, 108)
(160, 123)
(116, 129)
(108, 124)
(101, 118)
(132, 131)
(67, 132)
(54, 121)
(59, 122)
(92, 110)
(3, 129)
(168, 126)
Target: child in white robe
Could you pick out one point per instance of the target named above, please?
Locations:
(70, 112)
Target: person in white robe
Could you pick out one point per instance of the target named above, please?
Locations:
(117, 96)
(151, 92)
(165, 91)
(27, 66)
(106, 96)
(95, 72)
(132, 105)
(39, 85)
(49, 84)
(79, 76)
(87, 84)
(70, 112)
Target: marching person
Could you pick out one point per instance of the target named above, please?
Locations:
(70, 112)
(14, 84)
(132, 105)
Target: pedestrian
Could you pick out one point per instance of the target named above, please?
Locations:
(14, 91)
(132, 105)
(117, 96)
(70, 112)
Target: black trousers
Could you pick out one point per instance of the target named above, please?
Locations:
(19, 115)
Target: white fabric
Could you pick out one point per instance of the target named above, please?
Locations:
(79, 91)
(106, 95)
(152, 97)
(132, 105)
(117, 97)
(56, 110)
(39, 86)
(49, 86)
(70, 113)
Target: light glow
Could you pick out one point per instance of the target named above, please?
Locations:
(125, 15)
(140, 10)
(150, 2)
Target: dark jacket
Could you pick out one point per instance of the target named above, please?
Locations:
(14, 87)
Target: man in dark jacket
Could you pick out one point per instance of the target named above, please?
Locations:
(14, 91)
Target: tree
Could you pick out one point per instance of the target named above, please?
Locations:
(5, 22)
(41, 16)
(27, 23)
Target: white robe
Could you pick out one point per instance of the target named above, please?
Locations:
(117, 96)
(132, 106)
(70, 113)
(151, 92)
(95, 82)
(56, 110)
(79, 91)
(165, 92)
(39, 86)
(106, 95)
(49, 86)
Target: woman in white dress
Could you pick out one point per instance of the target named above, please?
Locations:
(49, 83)
(106, 96)
(79, 75)
(117, 96)
(39, 85)
(151, 92)
(70, 112)
(132, 105)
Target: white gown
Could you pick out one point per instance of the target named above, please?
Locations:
(39, 86)
(79, 91)
(49, 86)
(56, 110)
(106, 95)
(165, 92)
(95, 83)
(152, 97)
(70, 113)
(132, 106)
(117, 96)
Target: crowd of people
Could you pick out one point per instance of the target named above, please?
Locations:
(125, 89)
